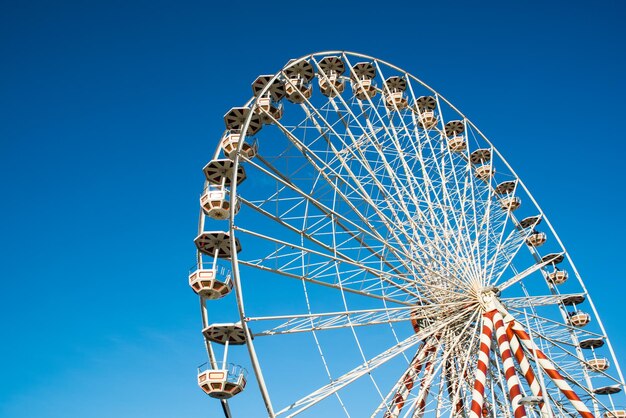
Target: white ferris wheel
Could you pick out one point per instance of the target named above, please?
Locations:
(365, 251)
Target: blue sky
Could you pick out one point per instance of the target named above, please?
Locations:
(109, 110)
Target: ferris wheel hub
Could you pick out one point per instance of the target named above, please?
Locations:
(488, 298)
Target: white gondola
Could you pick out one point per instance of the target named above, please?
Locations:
(573, 300)
(536, 239)
(211, 283)
(268, 106)
(236, 118)
(269, 110)
(230, 142)
(457, 144)
(215, 203)
(454, 128)
(361, 80)
(221, 172)
(579, 319)
(427, 119)
(297, 84)
(506, 187)
(298, 91)
(510, 203)
(394, 93)
(425, 106)
(485, 172)
(530, 221)
(222, 382)
(331, 70)
(553, 259)
(480, 156)
(598, 364)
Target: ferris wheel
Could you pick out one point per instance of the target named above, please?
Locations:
(365, 251)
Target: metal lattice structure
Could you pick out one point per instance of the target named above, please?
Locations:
(372, 254)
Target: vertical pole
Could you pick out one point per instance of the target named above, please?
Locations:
(482, 365)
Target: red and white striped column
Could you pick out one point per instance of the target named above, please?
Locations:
(480, 380)
(512, 382)
(408, 381)
(551, 371)
(425, 385)
(526, 368)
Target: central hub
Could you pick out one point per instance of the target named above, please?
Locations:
(488, 298)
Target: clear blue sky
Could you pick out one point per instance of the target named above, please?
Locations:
(109, 110)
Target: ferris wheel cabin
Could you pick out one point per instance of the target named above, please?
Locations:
(216, 204)
(211, 283)
(536, 239)
(453, 130)
(222, 382)
(230, 142)
(331, 70)
(298, 78)
(425, 106)
(394, 93)
(361, 80)
(557, 276)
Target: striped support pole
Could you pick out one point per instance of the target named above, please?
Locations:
(480, 380)
(512, 382)
(551, 371)
(425, 386)
(524, 365)
(526, 368)
(407, 382)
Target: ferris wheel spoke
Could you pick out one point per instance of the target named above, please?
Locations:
(411, 195)
(311, 114)
(419, 404)
(351, 236)
(384, 220)
(331, 260)
(412, 181)
(572, 369)
(504, 247)
(562, 327)
(428, 182)
(295, 276)
(384, 201)
(535, 301)
(399, 257)
(393, 403)
(445, 200)
(530, 270)
(398, 396)
(334, 320)
(510, 248)
(367, 367)
(348, 225)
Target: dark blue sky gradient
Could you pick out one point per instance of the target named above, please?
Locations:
(109, 110)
